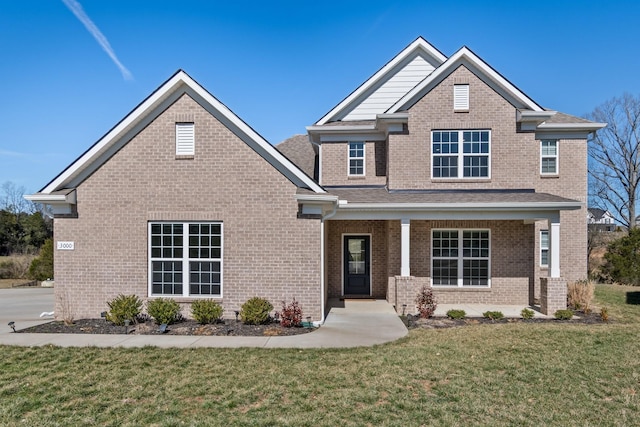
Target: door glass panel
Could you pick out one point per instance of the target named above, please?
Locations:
(356, 256)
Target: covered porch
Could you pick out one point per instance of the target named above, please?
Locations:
(470, 247)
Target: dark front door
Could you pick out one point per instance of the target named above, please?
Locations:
(357, 277)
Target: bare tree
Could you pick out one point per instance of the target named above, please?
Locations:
(614, 158)
(12, 199)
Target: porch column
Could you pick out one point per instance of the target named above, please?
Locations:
(554, 248)
(405, 269)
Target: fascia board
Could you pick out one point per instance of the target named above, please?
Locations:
(451, 64)
(341, 129)
(463, 206)
(322, 198)
(522, 215)
(590, 127)
(418, 44)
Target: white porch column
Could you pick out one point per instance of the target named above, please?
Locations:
(405, 269)
(554, 247)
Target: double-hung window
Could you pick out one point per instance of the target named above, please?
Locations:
(460, 258)
(185, 259)
(356, 159)
(460, 153)
(549, 157)
(544, 248)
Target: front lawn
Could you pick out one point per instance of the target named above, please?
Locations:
(503, 374)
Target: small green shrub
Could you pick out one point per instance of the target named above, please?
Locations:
(426, 302)
(527, 313)
(456, 314)
(563, 314)
(164, 310)
(255, 311)
(493, 315)
(41, 268)
(206, 311)
(124, 307)
(291, 314)
(604, 314)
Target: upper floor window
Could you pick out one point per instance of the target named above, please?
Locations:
(356, 159)
(450, 160)
(185, 139)
(549, 157)
(461, 97)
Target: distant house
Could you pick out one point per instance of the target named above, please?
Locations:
(600, 220)
(436, 171)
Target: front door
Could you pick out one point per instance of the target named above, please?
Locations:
(357, 277)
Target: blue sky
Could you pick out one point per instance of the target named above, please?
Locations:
(279, 65)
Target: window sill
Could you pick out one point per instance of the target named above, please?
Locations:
(185, 157)
(550, 176)
(461, 111)
(356, 177)
(185, 300)
(461, 289)
(458, 180)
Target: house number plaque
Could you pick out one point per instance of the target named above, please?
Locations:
(66, 246)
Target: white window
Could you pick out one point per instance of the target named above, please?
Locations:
(549, 157)
(185, 139)
(185, 259)
(461, 97)
(460, 258)
(356, 159)
(544, 248)
(460, 154)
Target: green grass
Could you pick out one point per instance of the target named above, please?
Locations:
(502, 374)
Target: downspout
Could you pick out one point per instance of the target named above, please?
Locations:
(322, 263)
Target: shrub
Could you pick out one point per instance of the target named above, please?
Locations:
(493, 315)
(604, 314)
(563, 314)
(426, 302)
(527, 313)
(623, 259)
(164, 310)
(580, 295)
(456, 314)
(255, 311)
(15, 266)
(206, 311)
(291, 314)
(41, 268)
(124, 307)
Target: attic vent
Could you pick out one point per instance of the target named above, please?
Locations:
(185, 139)
(461, 97)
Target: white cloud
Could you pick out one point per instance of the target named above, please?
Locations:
(8, 153)
(77, 10)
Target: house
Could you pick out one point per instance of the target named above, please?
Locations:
(600, 220)
(436, 171)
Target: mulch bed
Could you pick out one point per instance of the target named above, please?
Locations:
(415, 322)
(184, 327)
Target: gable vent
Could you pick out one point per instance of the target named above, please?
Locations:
(461, 97)
(185, 139)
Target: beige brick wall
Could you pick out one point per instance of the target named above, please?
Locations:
(335, 164)
(268, 252)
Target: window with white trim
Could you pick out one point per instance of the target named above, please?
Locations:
(461, 97)
(450, 160)
(460, 258)
(544, 248)
(185, 259)
(185, 139)
(356, 159)
(549, 157)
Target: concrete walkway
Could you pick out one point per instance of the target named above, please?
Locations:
(348, 324)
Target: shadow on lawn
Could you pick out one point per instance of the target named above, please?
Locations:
(633, 298)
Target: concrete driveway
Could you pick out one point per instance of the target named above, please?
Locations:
(24, 306)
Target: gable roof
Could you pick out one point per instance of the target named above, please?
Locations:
(464, 56)
(149, 109)
(388, 84)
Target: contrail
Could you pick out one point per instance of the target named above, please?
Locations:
(77, 10)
